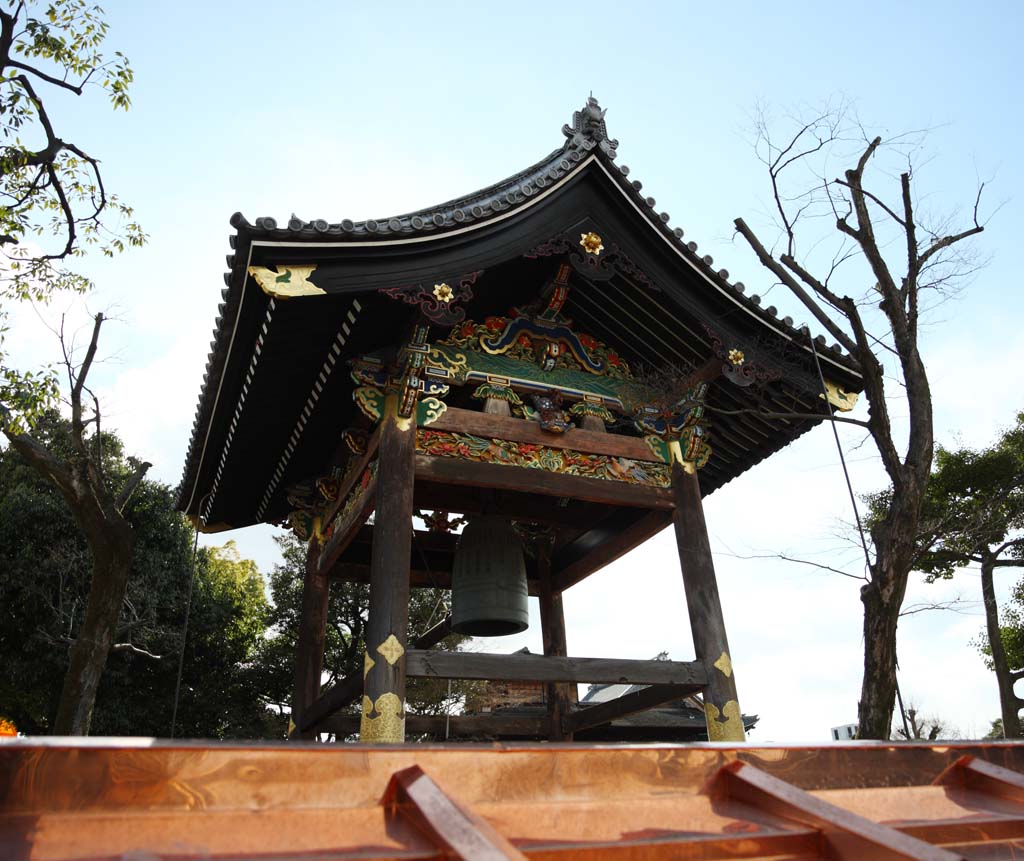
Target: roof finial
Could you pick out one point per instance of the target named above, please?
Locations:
(588, 128)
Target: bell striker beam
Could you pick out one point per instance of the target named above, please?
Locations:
(309, 659)
(383, 707)
(552, 624)
(721, 704)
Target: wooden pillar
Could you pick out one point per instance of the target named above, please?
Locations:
(383, 714)
(309, 658)
(721, 704)
(552, 626)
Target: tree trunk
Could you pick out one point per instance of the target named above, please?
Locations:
(112, 549)
(1009, 704)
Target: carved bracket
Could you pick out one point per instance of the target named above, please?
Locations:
(439, 303)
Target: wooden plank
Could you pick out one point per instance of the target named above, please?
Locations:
(483, 726)
(309, 650)
(638, 701)
(848, 835)
(970, 772)
(621, 542)
(545, 668)
(451, 470)
(493, 426)
(455, 828)
(707, 624)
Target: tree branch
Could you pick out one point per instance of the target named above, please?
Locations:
(130, 486)
(121, 648)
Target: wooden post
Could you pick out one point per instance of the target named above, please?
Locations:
(721, 704)
(309, 659)
(552, 625)
(383, 713)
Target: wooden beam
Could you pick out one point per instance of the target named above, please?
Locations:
(451, 470)
(847, 835)
(354, 475)
(457, 830)
(514, 505)
(309, 650)
(638, 701)
(491, 426)
(388, 618)
(349, 528)
(620, 542)
(544, 668)
(483, 726)
(707, 624)
(552, 626)
(344, 692)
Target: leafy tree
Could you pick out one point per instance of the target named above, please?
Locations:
(874, 313)
(45, 569)
(348, 606)
(973, 514)
(53, 203)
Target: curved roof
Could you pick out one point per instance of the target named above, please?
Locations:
(473, 232)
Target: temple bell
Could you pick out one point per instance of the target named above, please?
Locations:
(489, 592)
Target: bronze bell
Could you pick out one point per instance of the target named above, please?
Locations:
(489, 596)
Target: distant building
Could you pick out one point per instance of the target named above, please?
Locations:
(846, 732)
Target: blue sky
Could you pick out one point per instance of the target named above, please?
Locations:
(365, 110)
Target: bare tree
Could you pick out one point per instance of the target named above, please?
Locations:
(902, 259)
(97, 508)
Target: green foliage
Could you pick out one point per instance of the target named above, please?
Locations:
(53, 203)
(974, 503)
(45, 566)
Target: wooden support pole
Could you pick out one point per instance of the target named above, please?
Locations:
(721, 704)
(383, 712)
(309, 658)
(552, 626)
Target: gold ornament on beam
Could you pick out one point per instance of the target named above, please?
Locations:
(736, 357)
(724, 664)
(843, 400)
(730, 729)
(391, 649)
(591, 243)
(443, 292)
(287, 283)
(388, 725)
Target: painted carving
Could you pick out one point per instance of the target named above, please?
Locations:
(439, 303)
(549, 413)
(391, 649)
(564, 461)
(287, 283)
(724, 725)
(598, 267)
(383, 721)
(736, 365)
(441, 521)
(839, 397)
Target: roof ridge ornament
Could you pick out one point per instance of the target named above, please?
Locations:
(588, 128)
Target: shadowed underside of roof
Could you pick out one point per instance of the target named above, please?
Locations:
(276, 393)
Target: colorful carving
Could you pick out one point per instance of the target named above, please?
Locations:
(724, 725)
(287, 283)
(441, 521)
(736, 367)
(549, 413)
(383, 721)
(438, 302)
(586, 408)
(371, 401)
(496, 392)
(564, 461)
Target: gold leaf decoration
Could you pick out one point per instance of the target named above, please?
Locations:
(368, 663)
(724, 664)
(730, 729)
(737, 357)
(591, 243)
(843, 400)
(443, 292)
(287, 283)
(382, 722)
(391, 649)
